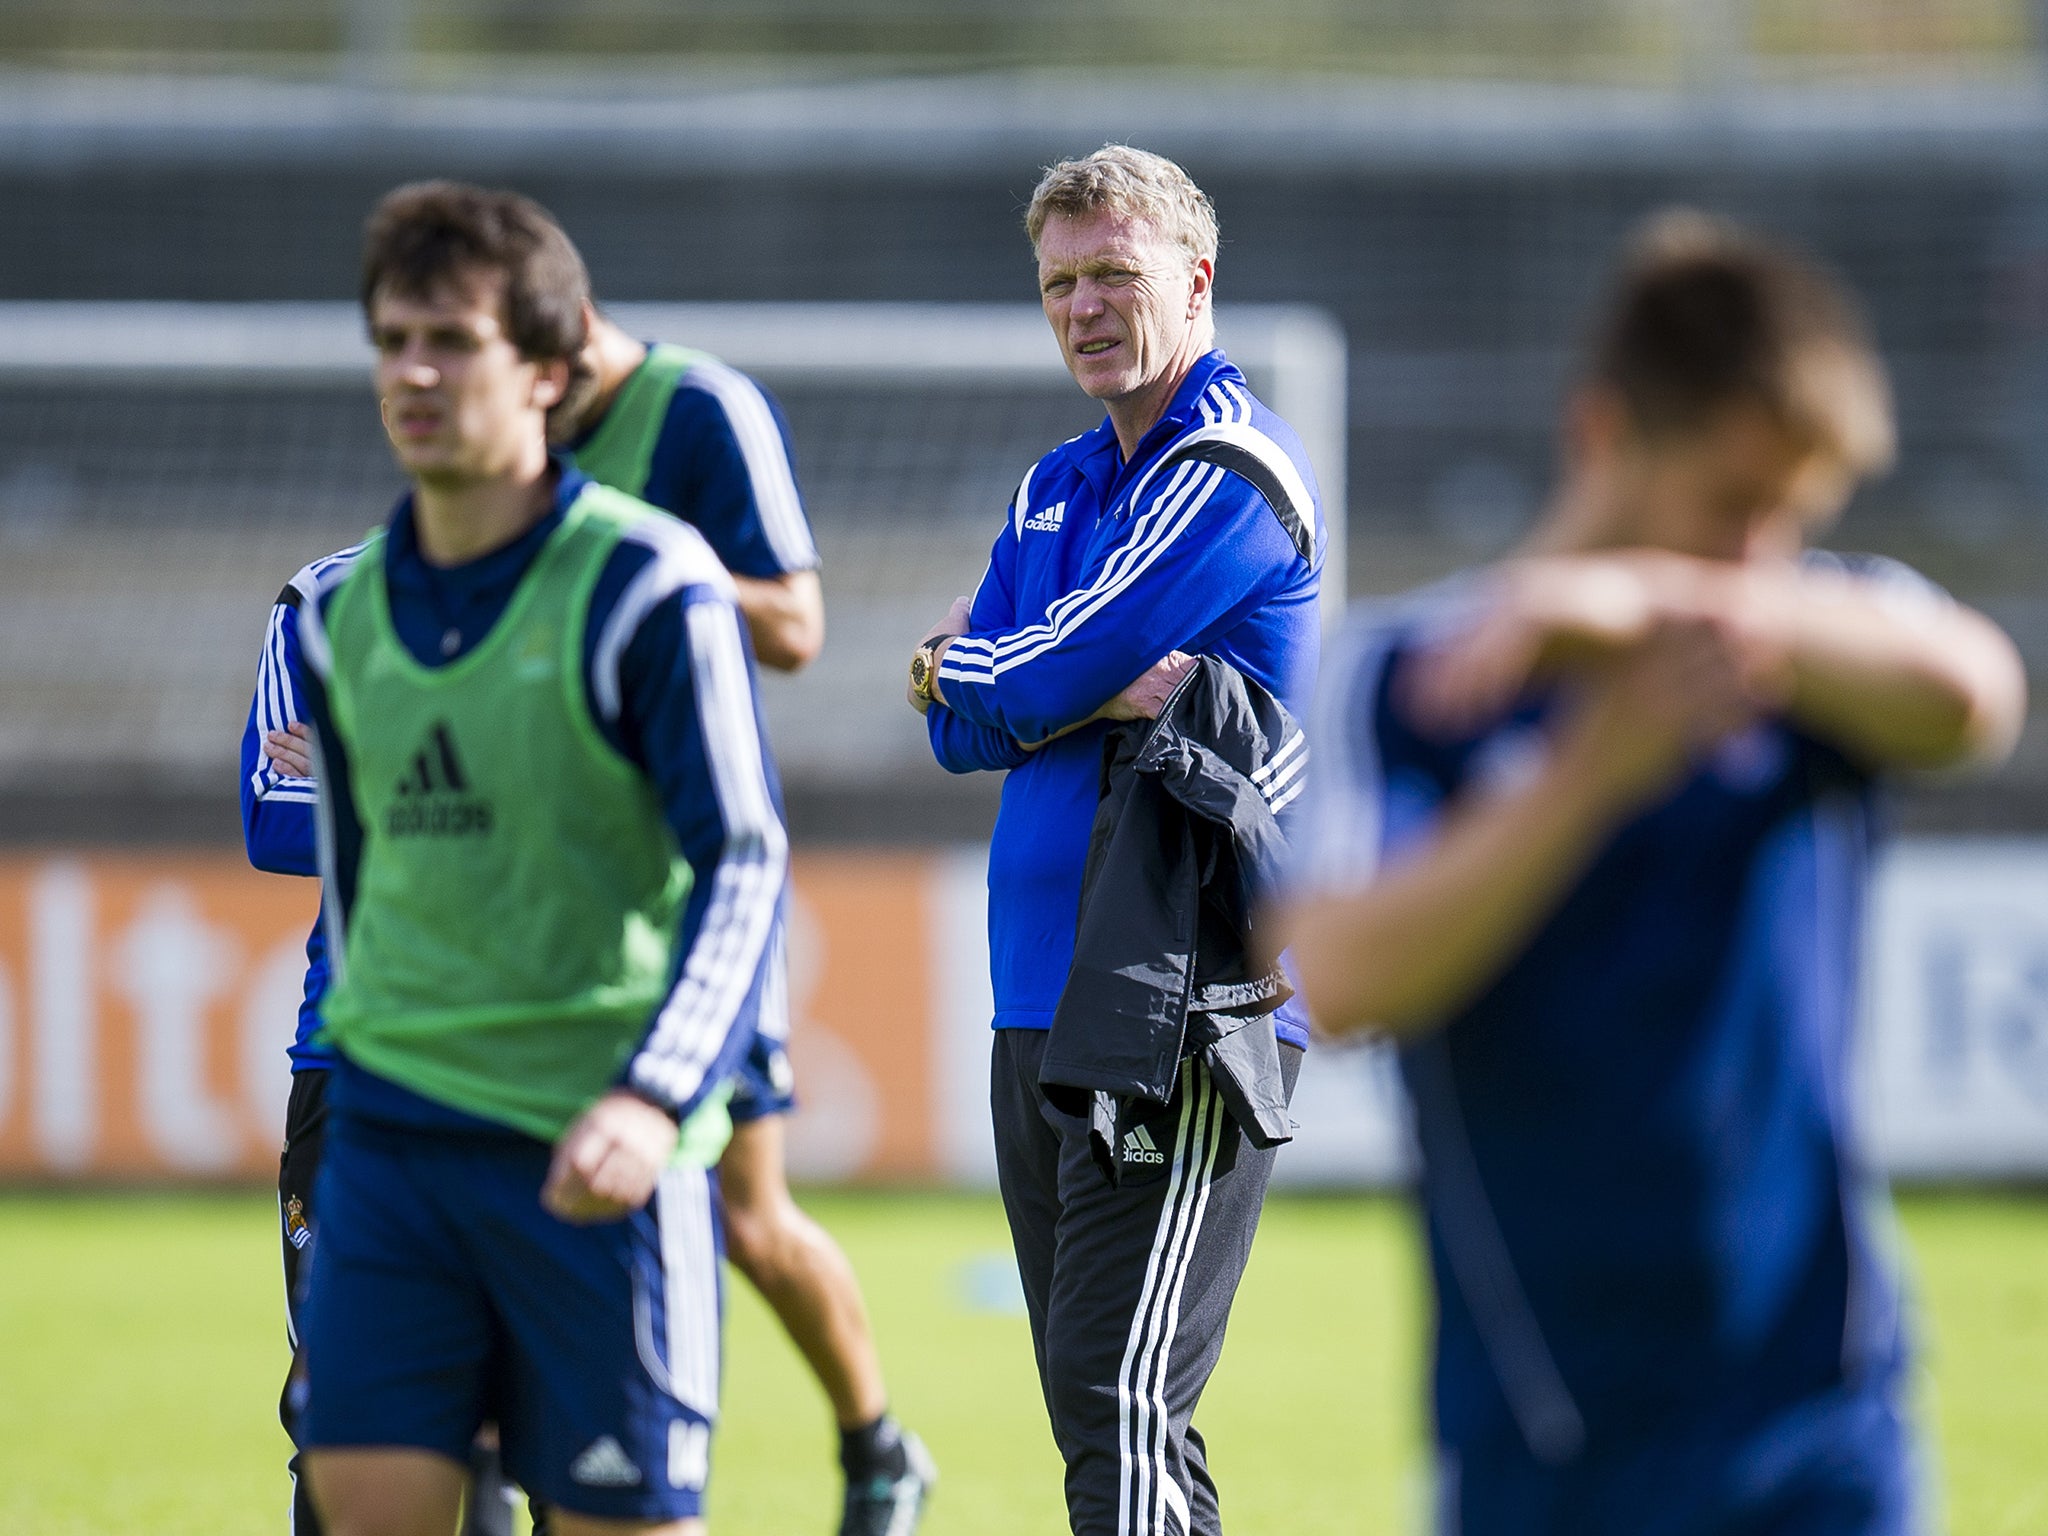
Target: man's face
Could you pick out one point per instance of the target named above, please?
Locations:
(460, 403)
(1740, 488)
(1124, 302)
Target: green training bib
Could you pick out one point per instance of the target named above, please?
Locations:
(518, 887)
(621, 451)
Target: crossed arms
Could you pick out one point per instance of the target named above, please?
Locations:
(1193, 562)
(1661, 656)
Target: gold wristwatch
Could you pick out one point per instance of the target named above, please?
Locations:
(923, 667)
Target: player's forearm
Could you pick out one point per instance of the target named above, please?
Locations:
(1440, 922)
(1898, 683)
(785, 618)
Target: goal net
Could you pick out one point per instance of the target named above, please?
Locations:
(165, 467)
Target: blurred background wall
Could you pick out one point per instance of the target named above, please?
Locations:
(1448, 179)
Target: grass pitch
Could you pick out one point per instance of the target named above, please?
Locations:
(141, 1344)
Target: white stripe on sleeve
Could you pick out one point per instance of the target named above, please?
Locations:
(277, 706)
(681, 559)
(746, 884)
(313, 582)
(1020, 504)
(1248, 439)
(766, 456)
(973, 660)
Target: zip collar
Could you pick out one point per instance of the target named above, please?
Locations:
(1104, 467)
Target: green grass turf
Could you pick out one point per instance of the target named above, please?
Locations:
(140, 1345)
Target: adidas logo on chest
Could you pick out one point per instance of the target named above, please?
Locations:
(1051, 520)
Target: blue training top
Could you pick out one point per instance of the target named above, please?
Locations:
(1644, 1209)
(721, 463)
(1210, 541)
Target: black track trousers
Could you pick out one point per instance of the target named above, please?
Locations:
(1128, 1286)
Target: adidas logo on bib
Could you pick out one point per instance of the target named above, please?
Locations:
(1139, 1147)
(432, 797)
(604, 1464)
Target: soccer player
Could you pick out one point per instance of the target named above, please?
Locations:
(1589, 840)
(552, 858)
(686, 433)
(1185, 523)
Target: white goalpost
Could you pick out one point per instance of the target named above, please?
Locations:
(1295, 355)
(163, 466)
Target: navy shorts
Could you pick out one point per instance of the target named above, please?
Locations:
(442, 1297)
(764, 1083)
(1840, 1464)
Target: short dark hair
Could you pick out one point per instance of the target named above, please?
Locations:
(1706, 316)
(428, 234)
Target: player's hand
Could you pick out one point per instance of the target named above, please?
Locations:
(1543, 614)
(607, 1162)
(1647, 717)
(1148, 694)
(955, 622)
(291, 749)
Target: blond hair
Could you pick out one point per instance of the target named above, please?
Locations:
(1707, 315)
(1133, 182)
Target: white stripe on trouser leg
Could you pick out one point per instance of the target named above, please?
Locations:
(1211, 1139)
(1141, 1402)
(689, 1264)
(1151, 1426)
(1128, 1471)
(1153, 1372)
(1177, 1502)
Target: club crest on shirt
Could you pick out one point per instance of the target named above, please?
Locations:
(297, 1230)
(535, 660)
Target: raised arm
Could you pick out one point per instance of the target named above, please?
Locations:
(1869, 658)
(1401, 919)
(1890, 670)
